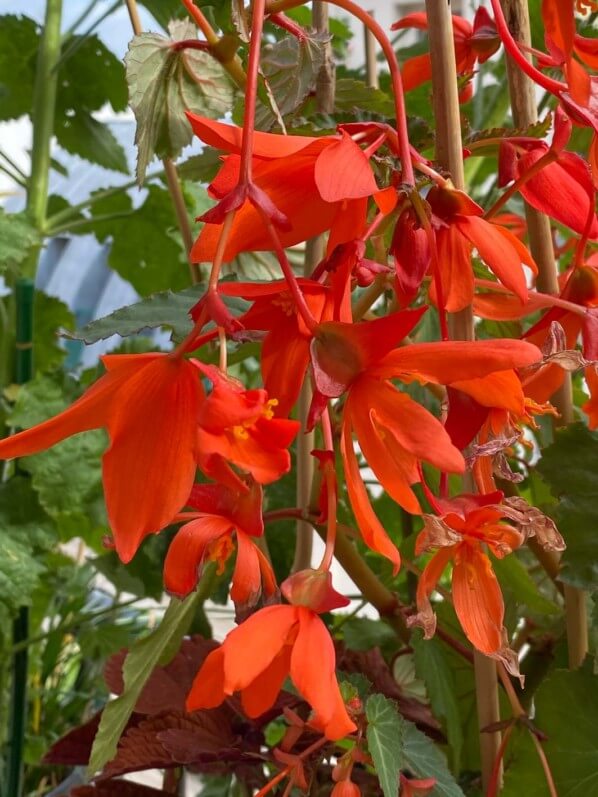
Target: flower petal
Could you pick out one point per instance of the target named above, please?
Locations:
(207, 690)
(343, 171)
(425, 617)
(186, 552)
(314, 675)
(478, 599)
(252, 646)
(150, 465)
(370, 528)
(261, 694)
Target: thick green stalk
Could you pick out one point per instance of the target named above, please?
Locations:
(44, 103)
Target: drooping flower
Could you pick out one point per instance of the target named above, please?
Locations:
(257, 656)
(396, 434)
(237, 426)
(285, 350)
(460, 226)
(149, 405)
(317, 184)
(219, 514)
(467, 525)
(473, 44)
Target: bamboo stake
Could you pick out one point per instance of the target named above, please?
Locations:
(523, 103)
(172, 178)
(314, 252)
(449, 154)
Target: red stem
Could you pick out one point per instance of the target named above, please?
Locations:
(395, 74)
(253, 65)
(512, 47)
(289, 276)
(190, 44)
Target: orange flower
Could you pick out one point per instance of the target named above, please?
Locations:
(460, 227)
(257, 656)
(238, 426)
(285, 350)
(473, 44)
(460, 535)
(220, 513)
(395, 433)
(317, 184)
(149, 405)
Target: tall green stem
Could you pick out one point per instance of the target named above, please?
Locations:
(44, 103)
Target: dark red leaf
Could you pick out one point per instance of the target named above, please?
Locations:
(117, 788)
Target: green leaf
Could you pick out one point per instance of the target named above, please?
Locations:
(81, 134)
(164, 10)
(290, 68)
(433, 667)
(51, 317)
(385, 741)
(25, 533)
(164, 83)
(89, 79)
(570, 466)
(356, 95)
(423, 759)
(143, 575)
(67, 477)
(566, 710)
(17, 236)
(145, 249)
(362, 634)
(164, 309)
(19, 45)
(201, 168)
(515, 579)
(157, 648)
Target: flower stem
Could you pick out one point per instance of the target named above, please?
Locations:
(253, 66)
(545, 160)
(395, 73)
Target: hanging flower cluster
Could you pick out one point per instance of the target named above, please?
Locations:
(190, 444)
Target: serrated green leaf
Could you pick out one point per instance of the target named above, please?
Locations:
(290, 68)
(570, 467)
(202, 168)
(17, 237)
(164, 83)
(164, 309)
(82, 135)
(144, 655)
(385, 741)
(19, 45)
(566, 710)
(90, 78)
(424, 760)
(433, 667)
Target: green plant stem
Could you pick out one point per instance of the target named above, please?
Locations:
(63, 216)
(17, 179)
(78, 223)
(44, 101)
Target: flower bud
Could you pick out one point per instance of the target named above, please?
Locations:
(345, 788)
(313, 588)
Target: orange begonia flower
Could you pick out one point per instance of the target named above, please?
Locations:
(285, 350)
(257, 656)
(460, 227)
(149, 404)
(412, 787)
(473, 43)
(238, 426)
(459, 537)
(395, 433)
(318, 184)
(220, 513)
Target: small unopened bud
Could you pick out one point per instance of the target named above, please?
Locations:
(345, 788)
(313, 588)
